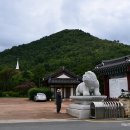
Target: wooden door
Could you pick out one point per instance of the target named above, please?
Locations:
(67, 92)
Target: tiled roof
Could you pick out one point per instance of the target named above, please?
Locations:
(52, 79)
(61, 71)
(114, 66)
(63, 81)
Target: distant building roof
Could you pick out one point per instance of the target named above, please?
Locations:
(62, 76)
(114, 66)
(63, 81)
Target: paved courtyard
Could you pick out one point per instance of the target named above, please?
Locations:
(23, 108)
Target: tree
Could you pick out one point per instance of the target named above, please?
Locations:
(27, 75)
(6, 76)
(39, 73)
(24, 87)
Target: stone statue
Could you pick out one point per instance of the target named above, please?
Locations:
(89, 86)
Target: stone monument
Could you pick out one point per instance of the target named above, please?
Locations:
(86, 92)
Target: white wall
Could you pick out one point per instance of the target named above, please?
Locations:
(115, 86)
(71, 92)
(63, 76)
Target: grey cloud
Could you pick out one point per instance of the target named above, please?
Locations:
(71, 14)
(22, 21)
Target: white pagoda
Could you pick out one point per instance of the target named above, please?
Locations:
(17, 65)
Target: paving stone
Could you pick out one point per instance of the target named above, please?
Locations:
(22, 108)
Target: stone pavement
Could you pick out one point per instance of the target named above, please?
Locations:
(16, 110)
(23, 109)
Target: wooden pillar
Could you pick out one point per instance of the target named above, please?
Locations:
(63, 92)
(128, 78)
(106, 86)
(55, 89)
(74, 90)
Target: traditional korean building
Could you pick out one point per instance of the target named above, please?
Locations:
(65, 80)
(115, 74)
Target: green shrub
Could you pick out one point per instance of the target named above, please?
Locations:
(33, 91)
(10, 94)
(0, 94)
(24, 87)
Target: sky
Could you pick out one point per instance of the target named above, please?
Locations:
(23, 21)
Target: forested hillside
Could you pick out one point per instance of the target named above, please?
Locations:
(74, 49)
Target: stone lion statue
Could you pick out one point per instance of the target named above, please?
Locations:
(89, 86)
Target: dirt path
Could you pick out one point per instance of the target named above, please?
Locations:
(22, 108)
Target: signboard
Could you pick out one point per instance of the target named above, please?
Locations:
(115, 86)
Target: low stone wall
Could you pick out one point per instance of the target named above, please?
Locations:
(126, 103)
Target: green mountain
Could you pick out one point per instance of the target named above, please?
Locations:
(74, 49)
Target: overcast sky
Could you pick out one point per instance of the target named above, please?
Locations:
(23, 21)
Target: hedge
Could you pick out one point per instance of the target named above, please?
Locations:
(33, 91)
(9, 94)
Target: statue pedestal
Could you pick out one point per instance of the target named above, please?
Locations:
(81, 106)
